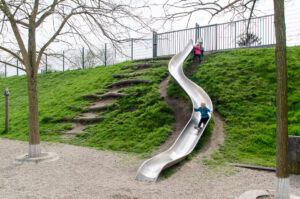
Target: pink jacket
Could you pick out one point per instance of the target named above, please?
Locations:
(197, 50)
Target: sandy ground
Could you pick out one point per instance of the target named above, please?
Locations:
(88, 173)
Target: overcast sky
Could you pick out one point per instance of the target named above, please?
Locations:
(264, 7)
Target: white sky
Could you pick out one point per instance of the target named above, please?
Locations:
(265, 7)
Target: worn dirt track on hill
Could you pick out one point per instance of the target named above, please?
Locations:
(182, 113)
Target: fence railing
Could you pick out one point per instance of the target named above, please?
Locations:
(219, 36)
(215, 37)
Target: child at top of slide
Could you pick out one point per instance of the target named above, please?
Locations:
(197, 51)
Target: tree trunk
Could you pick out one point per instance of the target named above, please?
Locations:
(282, 188)
(34, 133)
(32, 69)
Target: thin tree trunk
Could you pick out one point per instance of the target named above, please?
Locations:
(282, 188)
(34, 133)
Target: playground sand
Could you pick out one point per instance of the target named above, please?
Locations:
(88, 173)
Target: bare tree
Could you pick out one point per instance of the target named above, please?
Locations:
(239, 8)
(28, 28)
(236, 8)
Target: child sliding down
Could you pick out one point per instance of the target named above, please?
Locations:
(204, 115)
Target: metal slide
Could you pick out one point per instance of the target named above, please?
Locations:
(189, 137)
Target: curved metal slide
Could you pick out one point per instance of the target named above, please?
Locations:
(189, 137)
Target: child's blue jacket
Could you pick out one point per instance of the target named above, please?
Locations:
(204, 112)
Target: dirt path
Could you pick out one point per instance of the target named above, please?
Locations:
(182, 113)
(216, 139)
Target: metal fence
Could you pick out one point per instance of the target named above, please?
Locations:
(215, 37)
(82, 58)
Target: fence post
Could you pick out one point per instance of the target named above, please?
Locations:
(154, 44)
(131, 49)
(17, 67)
(63, 60)
(197, 35)
(5, 71)
(46, 63)
(82, 63)
(105, 51)
(6, 94)
(234, 34)
(216, 37)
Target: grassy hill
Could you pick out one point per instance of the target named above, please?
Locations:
(138, 122)
(242, 86)
(241, 83)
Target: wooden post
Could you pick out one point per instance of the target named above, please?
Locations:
(6, 94)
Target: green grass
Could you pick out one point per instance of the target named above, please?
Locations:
(242, 85)
(139, 122)
(206, 134)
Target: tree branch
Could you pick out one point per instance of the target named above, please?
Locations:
(46, 14)
(250, 16)
(55, 35)
(15, 29)
(35, 9)
(12, 53)
(213, 7)
(12, 65)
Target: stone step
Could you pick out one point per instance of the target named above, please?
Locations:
(129, 81)
(144, 65)
(96, 108)
(84, 120)
(106, 95)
